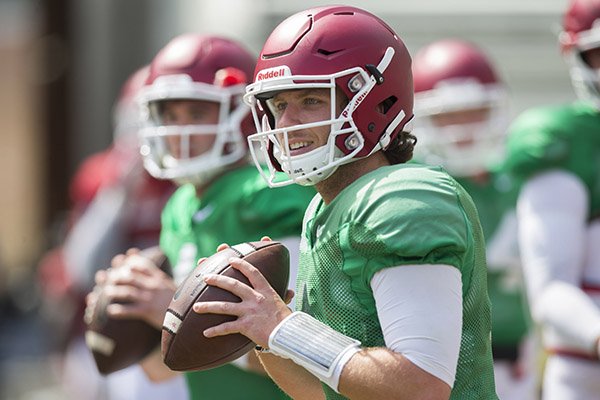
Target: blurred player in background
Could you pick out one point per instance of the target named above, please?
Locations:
(195, 135)
(391, 294)
(116, 205)
(554, 152)
(462, 117)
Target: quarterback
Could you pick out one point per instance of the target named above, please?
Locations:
(391, 293)
(194, 134)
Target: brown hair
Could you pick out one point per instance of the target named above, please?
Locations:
(401, 148)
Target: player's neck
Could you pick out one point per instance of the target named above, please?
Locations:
(348, 173)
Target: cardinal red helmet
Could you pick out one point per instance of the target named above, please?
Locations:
(461, 107)
(581, 33)
(197, 67)
(344, 49)
(126, 113)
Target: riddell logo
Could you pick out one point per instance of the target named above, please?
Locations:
(355, 103)
(271, 73)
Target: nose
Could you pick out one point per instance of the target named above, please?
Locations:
(174, 145)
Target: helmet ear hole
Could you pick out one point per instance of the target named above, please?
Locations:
(387, 104)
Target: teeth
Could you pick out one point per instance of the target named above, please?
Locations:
(299, 145)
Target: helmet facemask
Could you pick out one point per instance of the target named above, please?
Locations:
(585, 79)
(158, 137)
(467, 148)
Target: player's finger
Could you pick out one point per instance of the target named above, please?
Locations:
(234, 286)
(134, 278)
(225, 328)
(222, 247)
(200, 261)
(93, 295)
(132, 251)
(139, 260)
(145, 270)
(265, 239)
(216, 307)
(123, 293)
(289, 295)
(117, 260)
(101, 276)
(256, 278)
(118, 274)
(125, 311)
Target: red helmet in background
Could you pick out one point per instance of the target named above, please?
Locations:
(455, 78)
(197, 67)
(126, 113)
(344, 49)
(581, 33)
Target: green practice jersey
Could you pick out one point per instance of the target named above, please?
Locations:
(238, 207)
(561, 137)
(397, 215)
(495, 198)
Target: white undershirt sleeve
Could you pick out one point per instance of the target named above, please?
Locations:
(552, 210)
(420, 311)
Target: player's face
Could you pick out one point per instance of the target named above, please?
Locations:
(462, 117)
(189, 112)
(592, 58)
(303, 106)
(466, 119)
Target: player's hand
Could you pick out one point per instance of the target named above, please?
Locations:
(146, 290)
(259, 312)
(100, 279)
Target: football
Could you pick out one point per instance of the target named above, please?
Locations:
(119, 343)
(184, 347)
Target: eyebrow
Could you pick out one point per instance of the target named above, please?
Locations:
(304, 92)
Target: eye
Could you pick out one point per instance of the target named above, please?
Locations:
(168, 117)
(277, 107)
(280, 106)
(312, 100)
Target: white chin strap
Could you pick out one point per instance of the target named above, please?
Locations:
(309, 168)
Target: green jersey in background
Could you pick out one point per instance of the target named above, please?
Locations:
(563, 137)
(494, 196)
(238, 207)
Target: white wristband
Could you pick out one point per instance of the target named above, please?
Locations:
(318, 348)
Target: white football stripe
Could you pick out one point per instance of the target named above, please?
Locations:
(172, 322)
(244, 248)
(100, 343)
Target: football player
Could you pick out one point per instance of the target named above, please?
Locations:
(195, 135)
(554, 152)
(462, 117)
(391, 293)
(115, 205)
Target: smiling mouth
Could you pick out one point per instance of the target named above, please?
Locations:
(300, 147)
